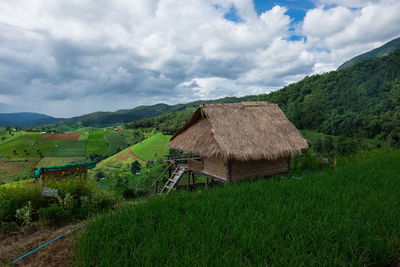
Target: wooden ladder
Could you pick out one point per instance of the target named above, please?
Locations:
(173, 180)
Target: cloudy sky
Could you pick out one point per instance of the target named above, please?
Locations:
(67, 58)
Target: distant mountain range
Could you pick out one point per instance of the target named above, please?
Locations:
(381, 51)
(104, 119)
(25, 119)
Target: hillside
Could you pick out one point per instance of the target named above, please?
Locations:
(25, 119)
(326, 218)
(361, 101)
(381, 51)
(149, 149)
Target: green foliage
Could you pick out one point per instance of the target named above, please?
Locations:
(98, 175)
(8, 227)
(24, 203)
(306, 161)
(168, 123)
(53, 215)
(135, 167)
(129, 193)
(24, 214)
(325, 218)
(96, 144)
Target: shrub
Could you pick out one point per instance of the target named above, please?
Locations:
(53, 215)
(140, 192)
(25, 214)
(7, 209)
(306, 161)
(129, 193)
(103, 201)
(8, 227)
(80, 213)
(98, 175)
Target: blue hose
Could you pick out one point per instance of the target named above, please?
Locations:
(63, 235)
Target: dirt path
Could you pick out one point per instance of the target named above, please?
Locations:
(136, 157)
(58, 253)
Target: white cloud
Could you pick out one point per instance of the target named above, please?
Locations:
(348, 30)
(323, 23)
(71, 57)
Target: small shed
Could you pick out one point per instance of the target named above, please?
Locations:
(239, 141)
(62, 171)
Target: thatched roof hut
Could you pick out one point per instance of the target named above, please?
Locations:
(243, 136)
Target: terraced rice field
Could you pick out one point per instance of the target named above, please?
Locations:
(152, 148)
(115, 142)
(347, 216)
(26, 146)
(96, 144)
(68, 149)
(11, 168)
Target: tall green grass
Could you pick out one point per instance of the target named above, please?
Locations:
(346, 216)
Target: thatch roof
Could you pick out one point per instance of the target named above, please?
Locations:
(241, 131)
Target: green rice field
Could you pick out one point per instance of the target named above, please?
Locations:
(347, 216)
(26, 146)
(66, 148)
(96, 144)
(115, 142)
(153, 147)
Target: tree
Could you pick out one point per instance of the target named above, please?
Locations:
(135, 167)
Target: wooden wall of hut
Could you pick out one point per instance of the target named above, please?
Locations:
(254, 169)
(215, 166)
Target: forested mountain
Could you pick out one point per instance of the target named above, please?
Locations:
(102, 119)
(25, 119)
(362, 101)
(384, 50)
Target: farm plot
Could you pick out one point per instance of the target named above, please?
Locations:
(122, 159)
(68, 149)
(61, 136)
(152, 148)
(149, 149)
(115, 142)
(16, 168)
(96, 144)
(26, 146)
(54, 161)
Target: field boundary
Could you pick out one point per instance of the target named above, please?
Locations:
(136, 157)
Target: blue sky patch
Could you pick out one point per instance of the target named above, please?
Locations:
(297, 9)
(233, 15)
